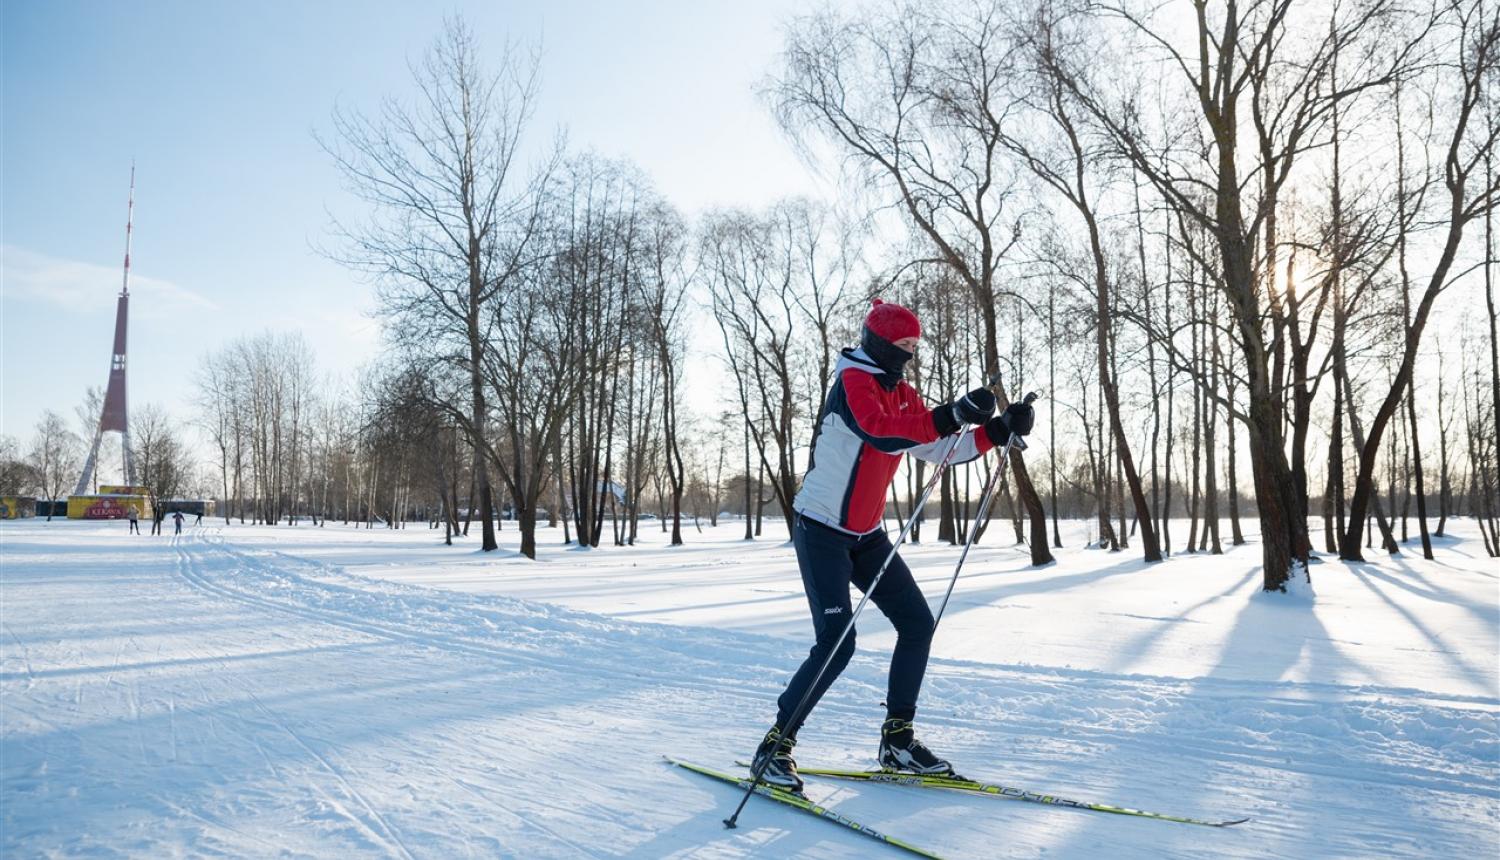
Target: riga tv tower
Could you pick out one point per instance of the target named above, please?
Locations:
(115, 417)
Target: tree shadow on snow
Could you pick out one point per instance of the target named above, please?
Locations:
(1373, 578)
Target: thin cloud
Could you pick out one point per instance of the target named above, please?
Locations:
(81, 287)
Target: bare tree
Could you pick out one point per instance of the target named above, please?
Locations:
(1475, 42)
(216, 400)
(1491, 504)
(536, 381)
(1415, 460)
(750, 267)
(1052, 335)
(1483, 448)
(410, 423)
(454, 222)
(17, 475)
(594, 251)
(1067, 169)
(1230, 66)
(56, 457)
(165, 467)
(663, 291)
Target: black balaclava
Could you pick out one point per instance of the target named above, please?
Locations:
(891, 358)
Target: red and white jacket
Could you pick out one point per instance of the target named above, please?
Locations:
(866, 427)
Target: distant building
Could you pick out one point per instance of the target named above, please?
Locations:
(46, 508)
(17, 507)
(198, 507)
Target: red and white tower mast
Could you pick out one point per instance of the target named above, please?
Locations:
(115, 416)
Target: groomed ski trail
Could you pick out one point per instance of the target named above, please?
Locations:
(200, 696)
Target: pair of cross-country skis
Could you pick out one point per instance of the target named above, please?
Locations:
(800, 801)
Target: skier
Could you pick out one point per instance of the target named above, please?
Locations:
(177, 520)
(871, 417)
(135, 523)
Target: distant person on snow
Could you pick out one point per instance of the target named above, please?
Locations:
(135, 522)
(871, 417)
(177, 521)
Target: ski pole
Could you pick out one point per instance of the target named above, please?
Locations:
(797, 713)
(984, 506)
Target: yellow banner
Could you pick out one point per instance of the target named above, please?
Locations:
(110, 507)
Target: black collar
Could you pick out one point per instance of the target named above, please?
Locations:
(891, 359)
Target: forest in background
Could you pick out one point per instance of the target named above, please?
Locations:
(1245, 252)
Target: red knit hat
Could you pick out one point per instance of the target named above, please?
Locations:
(892, 322)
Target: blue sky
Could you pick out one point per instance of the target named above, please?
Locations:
(218, 104)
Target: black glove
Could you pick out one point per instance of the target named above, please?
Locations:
(1018, 418)
(972, 408)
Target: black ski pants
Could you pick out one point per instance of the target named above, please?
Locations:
(830, 560)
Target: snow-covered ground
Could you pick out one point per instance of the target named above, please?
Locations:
(331, 692)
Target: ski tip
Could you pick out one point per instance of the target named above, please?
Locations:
(1231, 823)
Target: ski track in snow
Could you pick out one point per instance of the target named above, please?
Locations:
(197, 697)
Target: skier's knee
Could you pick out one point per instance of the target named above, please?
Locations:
(919, 630)
(825, 647)
(845, 651)
(915, 628)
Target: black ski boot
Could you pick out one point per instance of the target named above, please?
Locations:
(781, 772)
(900, 750)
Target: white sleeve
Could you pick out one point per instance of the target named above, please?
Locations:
(933, 452)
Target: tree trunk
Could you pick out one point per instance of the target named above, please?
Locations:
(1052, 425)
(896, 506)
(1416, 464)
(1211, 482)
(1102, 488)
(1457, 217)
(1336, 435)
(1489, 301)
(1388, 540)
(749, 524)
(1140, 233)
(1166, 503)
(760, 497)
(947, 531)
(1210, 450)
(1237, 537)
(1197, 373)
